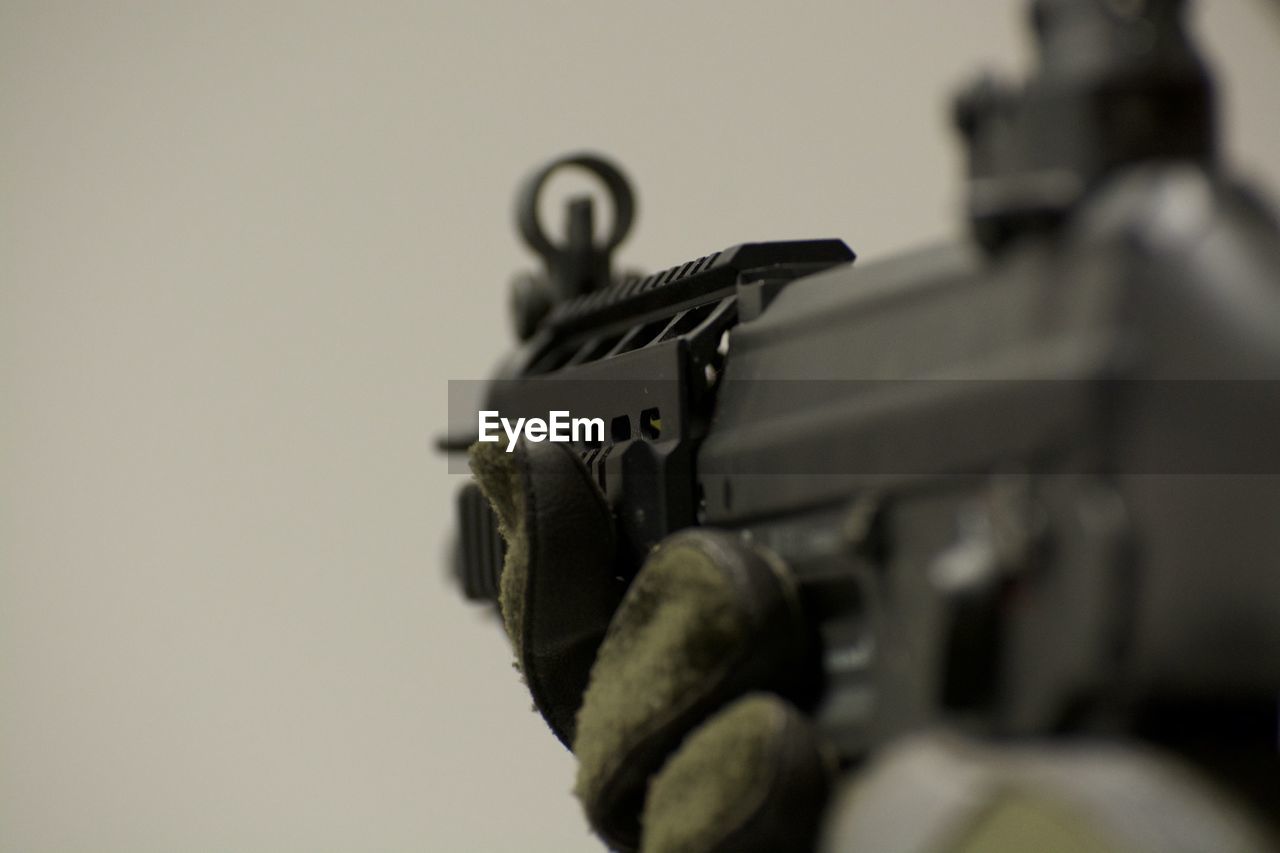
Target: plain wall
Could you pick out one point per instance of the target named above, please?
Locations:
(243, 247)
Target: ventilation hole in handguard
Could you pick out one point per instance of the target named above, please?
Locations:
(643, 335)
(620, 429)
(600, 348)
(688, 321)
(651, 423)
(552, 359)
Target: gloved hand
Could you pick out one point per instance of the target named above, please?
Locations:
(670, 692)
(707, 627)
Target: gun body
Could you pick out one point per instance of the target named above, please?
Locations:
(1085, 417)
(1085, 421)
(1026, 484)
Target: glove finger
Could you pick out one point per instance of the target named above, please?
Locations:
(558, 589)
(707, 619)
(753, 779)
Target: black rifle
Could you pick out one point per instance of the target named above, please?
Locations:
(1029, 483)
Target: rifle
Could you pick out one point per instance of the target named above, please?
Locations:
(1026, 483)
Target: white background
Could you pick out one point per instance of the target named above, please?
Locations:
(244, 245)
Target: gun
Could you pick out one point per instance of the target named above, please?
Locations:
(1026, 482)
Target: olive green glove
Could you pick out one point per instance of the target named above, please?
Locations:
(707, 621)
(556, 592)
